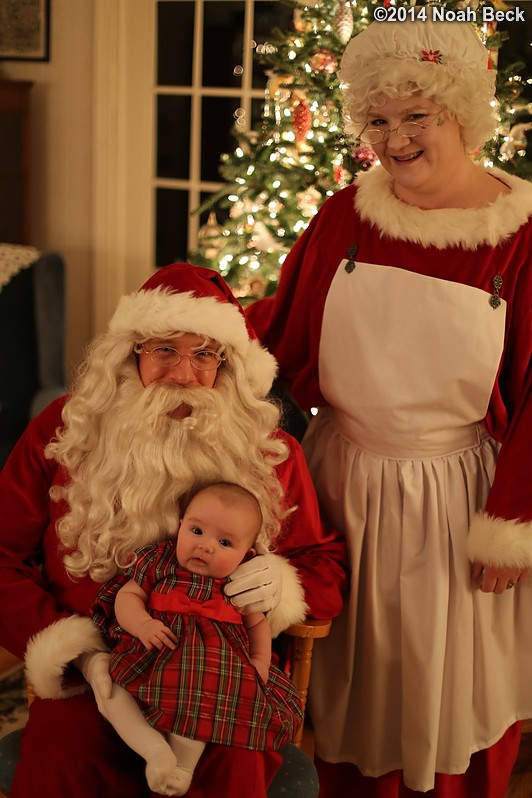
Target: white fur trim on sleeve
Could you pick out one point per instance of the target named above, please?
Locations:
(51, 650)
(495, 541)
(292, 608)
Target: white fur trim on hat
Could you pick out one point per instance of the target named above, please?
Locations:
(292, 608)
(467, 228)
(160, 311)
(505, 544)
(146, 314)
(51, 650)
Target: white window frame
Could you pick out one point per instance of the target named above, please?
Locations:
(245, 95)
(124, 178)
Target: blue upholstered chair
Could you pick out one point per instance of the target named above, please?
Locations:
(9, 756)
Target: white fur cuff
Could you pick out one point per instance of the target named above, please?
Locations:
(495, 541)
(50, 651)
(292, 608)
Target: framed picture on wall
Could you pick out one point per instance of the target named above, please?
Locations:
(25, 30)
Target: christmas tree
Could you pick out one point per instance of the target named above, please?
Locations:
(279, 174)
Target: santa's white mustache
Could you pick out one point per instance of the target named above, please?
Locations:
(161, 399)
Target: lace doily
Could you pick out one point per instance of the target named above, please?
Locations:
(14, 258)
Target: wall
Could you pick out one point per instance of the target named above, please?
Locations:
(92, 126)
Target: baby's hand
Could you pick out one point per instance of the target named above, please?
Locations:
(154, 633)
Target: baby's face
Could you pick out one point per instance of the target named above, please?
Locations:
(214, 536)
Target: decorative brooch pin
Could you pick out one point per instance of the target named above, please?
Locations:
(495, 299)
(351, 253)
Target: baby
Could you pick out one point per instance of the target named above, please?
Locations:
(183, 658)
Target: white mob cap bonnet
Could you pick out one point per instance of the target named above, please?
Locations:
(443, 43)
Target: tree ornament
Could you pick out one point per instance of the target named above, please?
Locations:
(489, 30)
(301, 24)
(516, 141)
(301, 120)
(343, 22)
(251, 285)
(237, 209)
(339, 174)
(249, 224)
(277, 86)
(274, 206)
(324, 61)
(262, 239)
(364, 156)
(210, 237)
(307, 201)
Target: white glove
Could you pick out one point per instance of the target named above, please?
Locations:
(255, 586)
(95, 668)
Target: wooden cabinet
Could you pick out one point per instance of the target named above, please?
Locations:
(15, 161)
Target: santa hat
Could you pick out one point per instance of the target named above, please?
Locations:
(186, 298)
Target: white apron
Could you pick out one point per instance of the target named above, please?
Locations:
(422, 669)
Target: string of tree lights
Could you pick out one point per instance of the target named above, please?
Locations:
(280, 173)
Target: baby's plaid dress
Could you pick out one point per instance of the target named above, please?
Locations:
(207, 687)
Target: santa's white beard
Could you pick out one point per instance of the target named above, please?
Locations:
(178, 452)
(139, 461)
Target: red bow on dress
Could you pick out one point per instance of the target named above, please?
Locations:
(178, 602)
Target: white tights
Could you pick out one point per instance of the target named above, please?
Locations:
(170, 759)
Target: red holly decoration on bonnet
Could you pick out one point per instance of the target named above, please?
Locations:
(432, 56)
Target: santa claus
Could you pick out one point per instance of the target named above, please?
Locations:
(172, 395)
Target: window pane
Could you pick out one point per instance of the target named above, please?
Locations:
(257, 114)
(218, 118)
(268, 15)
(173, 137)
(175, 30)
(517, 48)
(171, 224)
(222, 43)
